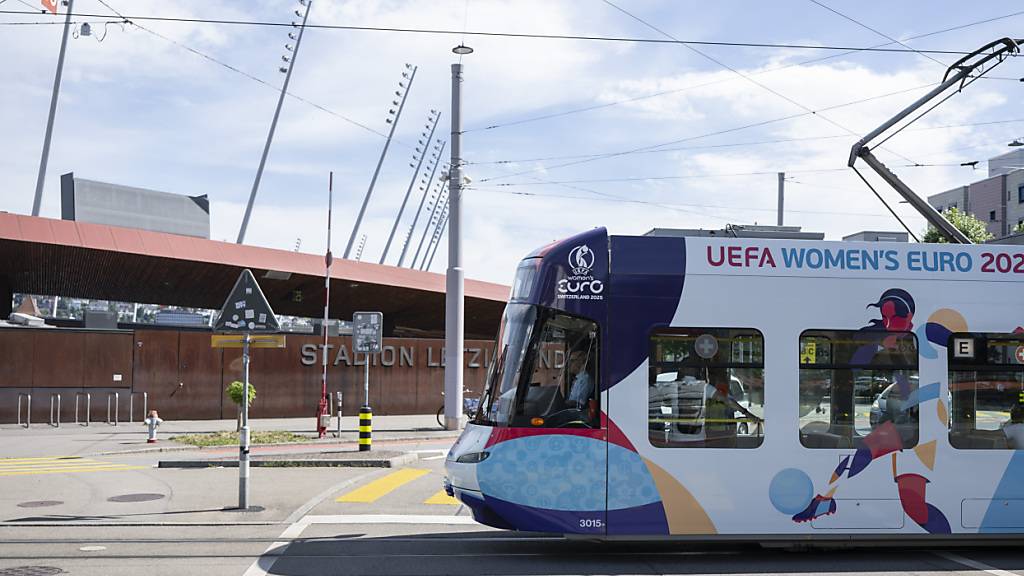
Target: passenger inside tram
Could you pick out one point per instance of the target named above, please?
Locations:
(1014, 428)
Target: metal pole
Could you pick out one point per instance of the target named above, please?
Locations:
(366, 381)
(41, 177)
(376, 171)
(243, 446)
(433, 171)
(454, 279)
(324, 407)
(428, 227)
(273, 127)
(415, 175)
(444, 225)
(782, 189)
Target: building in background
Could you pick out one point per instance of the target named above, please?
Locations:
(96, 202)
(741, 231)
(1006, 163)
(875, 236)
(998, 200)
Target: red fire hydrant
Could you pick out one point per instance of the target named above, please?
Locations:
(152, 421)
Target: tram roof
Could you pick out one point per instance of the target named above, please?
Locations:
(84, 260)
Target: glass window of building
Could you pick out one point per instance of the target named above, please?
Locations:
(986, 388)
(706, 388)
(855, 384)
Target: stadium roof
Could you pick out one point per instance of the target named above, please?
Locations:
(82, 260)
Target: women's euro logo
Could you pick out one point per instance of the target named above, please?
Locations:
(581, 285)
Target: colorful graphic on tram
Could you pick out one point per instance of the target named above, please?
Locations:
(675, 445)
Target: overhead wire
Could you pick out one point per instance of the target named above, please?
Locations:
(590, 108)
(237, 70)
(757, 143)
(741, 74)
(652, 147)
(441, 31)
(878, 32)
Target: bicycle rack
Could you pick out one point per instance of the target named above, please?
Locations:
(117, 401)
(55, 421)
(131, 406)
(28, 413)
(88, 407)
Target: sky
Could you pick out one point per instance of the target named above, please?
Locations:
(559, 135)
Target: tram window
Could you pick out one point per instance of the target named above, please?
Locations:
(855, 384)
(559, 387)
(706, 388)
(986, 388)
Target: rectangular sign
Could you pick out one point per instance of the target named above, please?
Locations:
(255, 341)
(367, 331)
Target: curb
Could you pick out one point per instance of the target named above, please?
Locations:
(392, 462)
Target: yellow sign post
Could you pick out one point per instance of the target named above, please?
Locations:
(255, 341)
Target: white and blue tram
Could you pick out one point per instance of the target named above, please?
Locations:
(746, 388)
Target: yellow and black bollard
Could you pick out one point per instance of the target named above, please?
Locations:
(365, 428)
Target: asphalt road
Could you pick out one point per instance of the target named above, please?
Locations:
(118, 515)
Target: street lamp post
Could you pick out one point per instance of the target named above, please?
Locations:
(41, 177)
(454, 335)
(420, 155)
(423, 200)
(287, 69)
(404, 87)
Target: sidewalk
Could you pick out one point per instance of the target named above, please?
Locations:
(101, 438)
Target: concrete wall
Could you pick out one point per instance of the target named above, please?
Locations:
(185, 378)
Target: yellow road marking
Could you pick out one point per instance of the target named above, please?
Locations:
(6, 460)
(4, 466)
(441, 498)
(93, 468)
(382, 486)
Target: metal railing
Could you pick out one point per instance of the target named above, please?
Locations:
(28, 412)
(55, 416)
(116, 397)
(131, 406)
(88, 407)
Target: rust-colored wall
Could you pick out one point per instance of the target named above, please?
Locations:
(45, 362)
(186, 379)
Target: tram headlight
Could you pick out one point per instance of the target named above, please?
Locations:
(473, 457)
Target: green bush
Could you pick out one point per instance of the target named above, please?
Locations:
(235, 392)
(964, 222)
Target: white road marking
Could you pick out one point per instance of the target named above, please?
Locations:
(390, 519)
(974, 564)
(438, 457)
(263, 564)
(296, 524)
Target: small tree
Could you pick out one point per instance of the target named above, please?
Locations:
(965, 222)
(1018, 229)
(236, 394)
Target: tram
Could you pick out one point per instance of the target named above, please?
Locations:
(703, 387)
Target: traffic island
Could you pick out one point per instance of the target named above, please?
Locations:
(339, 459)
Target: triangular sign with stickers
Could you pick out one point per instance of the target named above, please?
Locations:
(246, 309)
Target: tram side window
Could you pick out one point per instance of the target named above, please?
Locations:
(855, 386)
(706, 388)
(986, 389)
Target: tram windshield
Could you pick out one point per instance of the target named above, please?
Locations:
(544, 372)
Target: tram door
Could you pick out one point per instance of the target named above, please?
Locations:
(569, 460)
